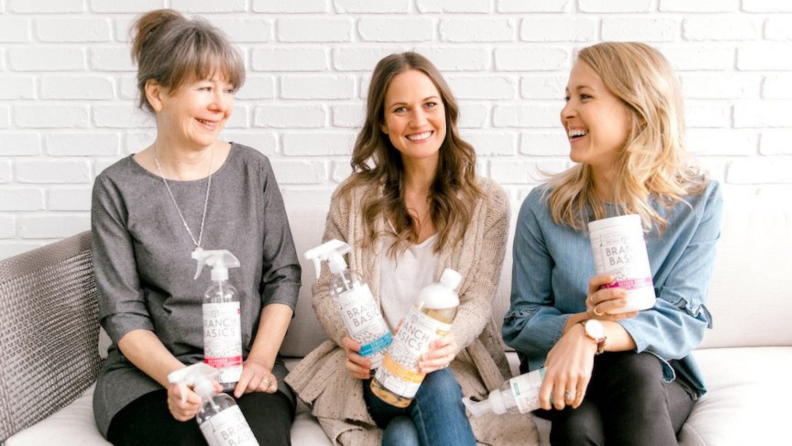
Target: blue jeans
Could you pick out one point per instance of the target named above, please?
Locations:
(435, 417)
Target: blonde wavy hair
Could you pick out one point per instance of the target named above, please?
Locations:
(653, 164)
(378, 165)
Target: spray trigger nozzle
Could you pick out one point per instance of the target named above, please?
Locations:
(198, 375)
(331, 252)
(219, 260)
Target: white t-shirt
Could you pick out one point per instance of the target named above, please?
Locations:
(402, 278)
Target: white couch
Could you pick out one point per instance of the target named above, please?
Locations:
(746, 358)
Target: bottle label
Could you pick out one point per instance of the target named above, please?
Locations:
(364, 322)
(526, 390)
(228, 428)
(399, 373)
(621, 252)
(223, 340)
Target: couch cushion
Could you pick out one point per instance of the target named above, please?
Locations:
(73, 425)
(305, 333)
(748, 398)
(749, 295)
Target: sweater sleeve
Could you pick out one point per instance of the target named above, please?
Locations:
(533, 324)
(676, 324)
(326, 309)
(122, 306)
(475, 309)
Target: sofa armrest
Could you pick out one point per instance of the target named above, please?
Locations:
(48, 331)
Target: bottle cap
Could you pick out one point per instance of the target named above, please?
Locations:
(477, 409)
(450, 278)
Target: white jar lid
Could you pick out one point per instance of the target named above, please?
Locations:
(623, 220)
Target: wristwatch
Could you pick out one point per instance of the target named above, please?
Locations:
(595, 331)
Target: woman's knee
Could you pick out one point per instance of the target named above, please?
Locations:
(440, 385)
(270, 416)
(581, 426)
(401, 431)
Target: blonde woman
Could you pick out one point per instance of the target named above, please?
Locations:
(413, 207)
(624, 120)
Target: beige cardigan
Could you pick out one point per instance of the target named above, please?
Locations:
(321, 379)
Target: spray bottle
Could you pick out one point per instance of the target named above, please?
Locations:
(220, 420)
(359, 310)
(521, 392)
(429, 318)
(221, 318)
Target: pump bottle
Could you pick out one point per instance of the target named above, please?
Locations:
(359, 310)
(429, 318)
(220, 420)
(521, 392)
(221, 318)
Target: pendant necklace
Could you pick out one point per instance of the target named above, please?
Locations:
(197, 243)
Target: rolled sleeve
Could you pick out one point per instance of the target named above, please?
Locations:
(280, 278)
(122, 305)
(677, 323)
(532, 325)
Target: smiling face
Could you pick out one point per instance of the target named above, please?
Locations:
(195, 114)
(414, 117)
(596, 121)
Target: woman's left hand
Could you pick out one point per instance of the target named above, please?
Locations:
(569, 365)
(256, 377)
(441, 352)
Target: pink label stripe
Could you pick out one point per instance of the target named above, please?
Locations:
(630, 284)
(219, 363)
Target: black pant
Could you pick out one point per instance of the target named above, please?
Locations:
(626, 403)
(147, 421)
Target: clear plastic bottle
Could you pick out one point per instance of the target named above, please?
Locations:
(429, 318)
(220, 420)
(521, 392)
(221, 318)
(359, 310)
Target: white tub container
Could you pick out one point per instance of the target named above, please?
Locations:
(619, 248)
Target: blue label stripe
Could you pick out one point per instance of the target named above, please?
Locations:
(376, 346)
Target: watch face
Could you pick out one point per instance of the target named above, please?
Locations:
(595, 329)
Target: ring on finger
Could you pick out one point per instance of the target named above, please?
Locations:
(268, 381)
(596, 312)
(570, 394)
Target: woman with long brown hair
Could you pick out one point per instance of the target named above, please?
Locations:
(412, 207)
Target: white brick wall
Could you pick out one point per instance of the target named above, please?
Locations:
(67, 88)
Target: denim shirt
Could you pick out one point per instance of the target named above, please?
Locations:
(553, 264)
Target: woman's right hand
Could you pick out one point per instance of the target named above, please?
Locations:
(185, 411)
(568, 370)
(602, 302)
(358, 366)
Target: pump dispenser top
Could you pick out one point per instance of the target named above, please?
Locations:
(332, 252)
(198, 375)
(219, 260)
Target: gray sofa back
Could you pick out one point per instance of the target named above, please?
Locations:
(49, 335)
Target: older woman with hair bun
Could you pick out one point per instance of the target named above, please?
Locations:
(188, 191)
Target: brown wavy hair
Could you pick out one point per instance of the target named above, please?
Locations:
(170, 49)
(377, 165)
(654, 163)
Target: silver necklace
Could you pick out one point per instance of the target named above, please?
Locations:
(197, 243)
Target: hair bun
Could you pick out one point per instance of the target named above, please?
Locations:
(148, 25)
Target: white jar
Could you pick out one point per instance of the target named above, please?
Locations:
(619, 248)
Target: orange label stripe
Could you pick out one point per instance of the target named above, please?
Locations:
(402, 372)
